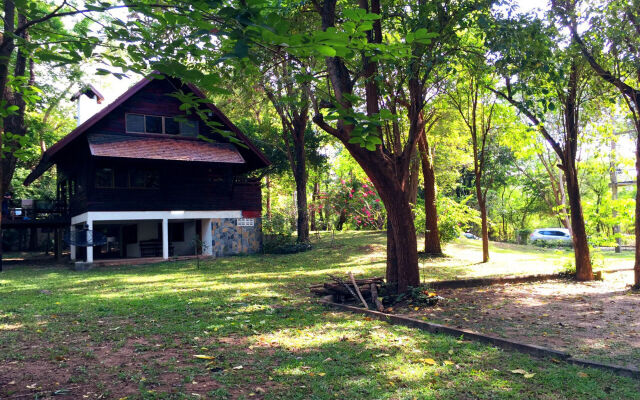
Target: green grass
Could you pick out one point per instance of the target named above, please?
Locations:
(133, 331)
(464, 256)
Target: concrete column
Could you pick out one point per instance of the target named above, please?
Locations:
(90, 240)
(165, 238)
(72, 230)
(207, 238)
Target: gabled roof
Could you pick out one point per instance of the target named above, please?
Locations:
(141, 146)
(47, 158)
(90, 91)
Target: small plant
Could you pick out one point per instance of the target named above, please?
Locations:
(283, 244)
(416, 296)
(569, 268)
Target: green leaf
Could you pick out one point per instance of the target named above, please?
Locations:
(326, 50)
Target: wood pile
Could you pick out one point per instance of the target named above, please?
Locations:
(350, 288)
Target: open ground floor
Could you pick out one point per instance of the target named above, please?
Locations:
(110, 235)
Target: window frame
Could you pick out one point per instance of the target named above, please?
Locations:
(133, 170)
(164, 128)
(113, 178)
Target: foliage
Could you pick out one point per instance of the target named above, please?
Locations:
(552, 244)
(283, 244)
(358, 202)
(454, 217)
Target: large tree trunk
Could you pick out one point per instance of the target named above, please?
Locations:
(414, 179)
(579, 233)
(387, 170)
(432, 233)
(402, 249)
(303, 213)
(402, 252)
(482, 204)
(566, 216)
(314, 199)
(300, 175)
(485, 228)
(636, 266)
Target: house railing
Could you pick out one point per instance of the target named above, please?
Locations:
(28, 209)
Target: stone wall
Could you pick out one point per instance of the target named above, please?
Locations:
(230, 239)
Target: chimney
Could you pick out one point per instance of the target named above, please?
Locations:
(84, 98)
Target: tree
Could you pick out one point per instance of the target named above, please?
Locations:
(538, 74)
(432, 232)
(346, 93)
(28, 26)
(291, 101)
(476, 107)
(614, 26)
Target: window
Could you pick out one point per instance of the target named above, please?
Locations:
(176, 232)
(189, 128)
(138, 123)
(135, 123)
(104, 178)
(144, 179)
(153, 124)
(171, 126)
(245, 222)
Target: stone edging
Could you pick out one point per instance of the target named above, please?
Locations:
(534, 350)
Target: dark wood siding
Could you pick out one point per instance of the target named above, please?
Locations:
(186, 186)
(182, 186)
(153, 99)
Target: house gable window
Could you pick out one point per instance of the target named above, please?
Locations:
(140, 123)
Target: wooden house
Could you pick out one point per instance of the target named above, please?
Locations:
(156, 181)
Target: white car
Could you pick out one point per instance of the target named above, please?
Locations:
(548, 234)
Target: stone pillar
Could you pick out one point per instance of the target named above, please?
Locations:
(207, 237)
(165, 238)
(90, 240)
(72, 248)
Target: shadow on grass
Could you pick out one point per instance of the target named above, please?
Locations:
(245, 310)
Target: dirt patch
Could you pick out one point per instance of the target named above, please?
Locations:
(111, 370)
(596, 320)
(371, 248)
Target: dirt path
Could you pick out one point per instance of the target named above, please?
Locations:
(595, 320)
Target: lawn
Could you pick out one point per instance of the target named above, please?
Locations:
(135, 332)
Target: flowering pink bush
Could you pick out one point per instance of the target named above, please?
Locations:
(353, 202)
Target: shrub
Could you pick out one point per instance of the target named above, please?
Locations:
(280, 244)
(453, 218)
(552, 244)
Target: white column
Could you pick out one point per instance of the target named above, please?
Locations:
(165, 238)
(90, 238)
(207, 238)
(72, 231)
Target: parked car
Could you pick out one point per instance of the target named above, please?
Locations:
(470, 235)
(549, 234)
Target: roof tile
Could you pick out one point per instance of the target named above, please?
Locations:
(157, 148)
